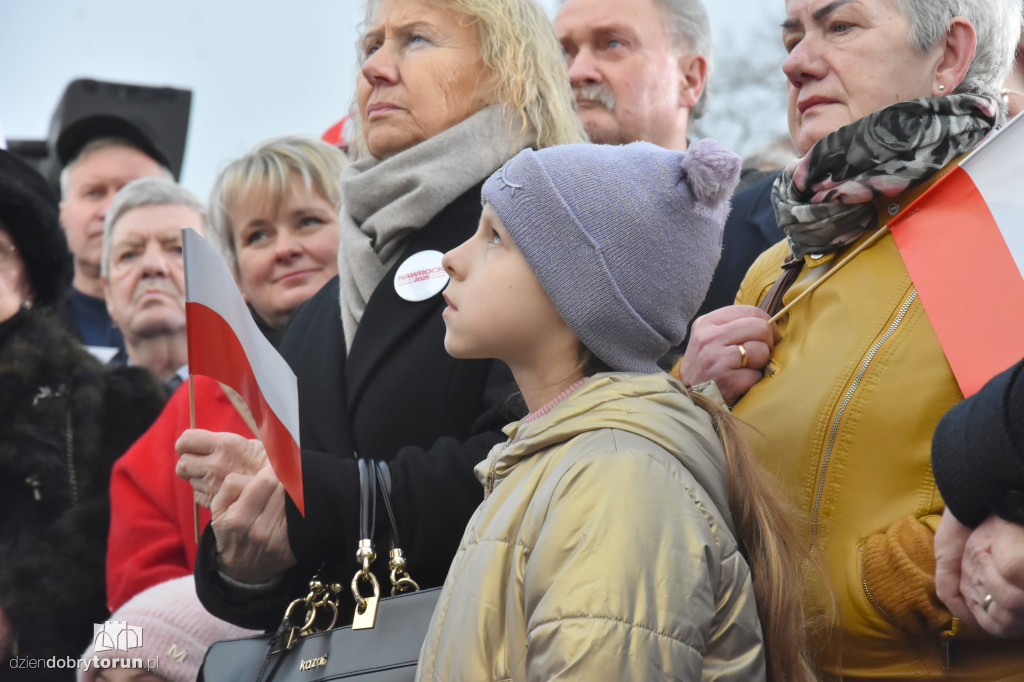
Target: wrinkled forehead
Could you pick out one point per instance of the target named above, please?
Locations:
(382, 11)
(162, 222)
(585, 20)
(820, 9)
(110, 157)
(112, 166)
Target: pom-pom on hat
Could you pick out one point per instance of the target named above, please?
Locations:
(624, 239)
(173, 630)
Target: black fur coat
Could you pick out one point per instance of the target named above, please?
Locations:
(64, 419)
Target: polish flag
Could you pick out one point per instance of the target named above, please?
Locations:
(225, 344)
(963, 244)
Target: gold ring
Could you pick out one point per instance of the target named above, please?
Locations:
(986, 603)
(743, 355)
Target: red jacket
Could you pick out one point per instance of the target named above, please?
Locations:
(152, 538)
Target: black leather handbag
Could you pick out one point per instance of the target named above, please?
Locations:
(382, 644)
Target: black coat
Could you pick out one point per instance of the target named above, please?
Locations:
(398, 396)
(978, 452)
(750, 229)
(64, 419)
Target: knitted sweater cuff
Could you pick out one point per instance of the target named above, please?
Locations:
(898, 575)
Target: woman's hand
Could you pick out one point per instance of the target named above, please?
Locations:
(249, 521)
(231, 476)
(979, 575)
(719, 343)
(950, 540)
(208, 457)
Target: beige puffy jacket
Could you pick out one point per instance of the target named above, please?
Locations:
(603, 550)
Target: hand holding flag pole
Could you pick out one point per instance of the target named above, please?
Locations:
(881, 232)
(225, 344)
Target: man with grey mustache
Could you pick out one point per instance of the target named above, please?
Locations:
(143, 274)
(640, 71)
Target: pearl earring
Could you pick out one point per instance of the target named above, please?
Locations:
(942, 88)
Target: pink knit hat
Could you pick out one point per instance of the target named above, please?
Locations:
(164, 627)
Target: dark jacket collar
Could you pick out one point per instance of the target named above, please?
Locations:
(388, 316)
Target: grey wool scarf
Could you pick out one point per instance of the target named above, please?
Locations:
(385, 201)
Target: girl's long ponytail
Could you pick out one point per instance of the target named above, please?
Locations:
(779, 558)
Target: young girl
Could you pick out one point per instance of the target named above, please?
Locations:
(605, 548)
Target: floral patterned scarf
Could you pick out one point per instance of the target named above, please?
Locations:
(825, 200)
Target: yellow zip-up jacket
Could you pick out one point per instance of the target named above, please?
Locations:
(602, 551)
(847, 409)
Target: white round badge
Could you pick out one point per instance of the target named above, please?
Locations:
(421, 276)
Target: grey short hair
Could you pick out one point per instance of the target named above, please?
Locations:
(144, 192)
(96, 145)
(996, 22)
(268, 167)
(690, 32)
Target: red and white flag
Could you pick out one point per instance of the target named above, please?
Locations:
(963, 245)
(225, 344)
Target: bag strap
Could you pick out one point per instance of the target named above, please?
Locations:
(367, 499)
(301, 616)
(374, 474)
(370, 473)
(772, 302)
(383, 475)
(401, 581)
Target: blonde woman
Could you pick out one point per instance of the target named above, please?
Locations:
(447, 92)
(273, 214)
(274, 217)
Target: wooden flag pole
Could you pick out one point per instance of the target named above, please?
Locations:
(882, 231)
(192, 425)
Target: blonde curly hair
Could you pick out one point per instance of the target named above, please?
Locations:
(519, 49)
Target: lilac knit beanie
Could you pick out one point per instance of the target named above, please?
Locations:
(624, 239)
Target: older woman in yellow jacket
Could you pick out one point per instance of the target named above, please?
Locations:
(884, 95)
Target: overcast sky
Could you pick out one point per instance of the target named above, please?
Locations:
(258, 69)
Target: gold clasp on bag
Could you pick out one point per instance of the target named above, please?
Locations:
(366, 555)
(296, 631)
(319, 595)
(400, 580)
(365, 616)
(366, 607)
